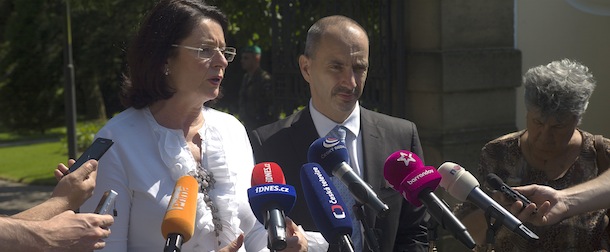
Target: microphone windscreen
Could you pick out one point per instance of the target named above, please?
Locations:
(457, 181)
(494, 181)
(325, 204)
(182, 208)
(269, 190)
(420, 179)
(328, 153)
(398, 165)
(267, 173)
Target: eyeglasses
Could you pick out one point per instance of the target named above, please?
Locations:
(207, 52)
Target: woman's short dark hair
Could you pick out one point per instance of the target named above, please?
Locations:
(169, 22)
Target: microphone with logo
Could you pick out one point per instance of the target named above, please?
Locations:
(463, 186)
(270, 198)
(332, 154)
(406, 173)
(326, 206)
(179, 221)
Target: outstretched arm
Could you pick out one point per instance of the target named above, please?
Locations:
(588, 196)
(64, 232)
(71, 191)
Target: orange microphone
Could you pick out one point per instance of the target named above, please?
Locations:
(179, 222)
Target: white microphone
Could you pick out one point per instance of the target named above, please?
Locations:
(463, 186)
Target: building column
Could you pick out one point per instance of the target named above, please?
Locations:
(461, 74)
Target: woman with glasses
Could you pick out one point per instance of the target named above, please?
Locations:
(177, 62)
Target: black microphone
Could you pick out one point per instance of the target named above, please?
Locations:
(331, 154)
(405, 172)
(497, 184)
(327, 209)
(464, 186)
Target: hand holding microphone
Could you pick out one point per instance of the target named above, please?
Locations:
(497, 184)
(270, 198)
(464, 187)
(406, 173)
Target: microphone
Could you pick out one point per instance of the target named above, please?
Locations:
(331, 154)
(269, 198)
(497, 184)
(406, 173)
(463, 186)
(179, 221)
(326, 206)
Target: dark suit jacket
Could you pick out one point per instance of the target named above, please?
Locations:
(287, 142)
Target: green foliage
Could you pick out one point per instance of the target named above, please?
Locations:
(17, 164)
(85, 134)
(31, 61)
(32, 39)
(250, 21)
(31, 163)
(7, 137)
(32, 58)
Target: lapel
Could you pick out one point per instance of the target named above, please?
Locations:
(372, 145)
(302, 131)
(372, 136)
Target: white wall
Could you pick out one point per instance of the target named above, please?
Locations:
(549, 30)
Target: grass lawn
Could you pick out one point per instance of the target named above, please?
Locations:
(32, 163)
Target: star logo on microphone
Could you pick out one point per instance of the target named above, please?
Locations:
(406, 158)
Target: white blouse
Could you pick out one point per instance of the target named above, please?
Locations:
(143, 166)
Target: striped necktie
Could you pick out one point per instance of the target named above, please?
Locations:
(340, 133)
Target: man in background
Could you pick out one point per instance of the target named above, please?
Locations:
(256, 91)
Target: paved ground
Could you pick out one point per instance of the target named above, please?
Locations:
(16, 197)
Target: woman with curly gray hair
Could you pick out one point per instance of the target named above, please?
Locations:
(551, 151)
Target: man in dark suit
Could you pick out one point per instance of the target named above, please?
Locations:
(335, 65)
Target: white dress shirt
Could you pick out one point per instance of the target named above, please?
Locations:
(353, 138)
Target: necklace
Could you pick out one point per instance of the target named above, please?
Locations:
(206, 184)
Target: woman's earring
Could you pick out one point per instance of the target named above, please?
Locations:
(166, 71)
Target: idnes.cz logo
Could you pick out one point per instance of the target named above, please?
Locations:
(272, 188)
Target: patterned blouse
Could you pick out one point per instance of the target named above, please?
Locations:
(584, 232)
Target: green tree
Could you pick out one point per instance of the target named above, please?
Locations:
(102, 30)
(31, 61)
(32, 42)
